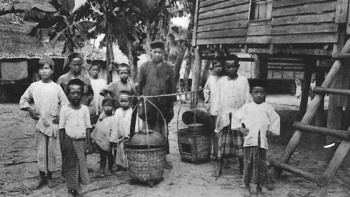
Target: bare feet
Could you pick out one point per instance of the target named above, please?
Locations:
(246, 192)
(168, 166)
(227, 164)
(216, 173)
(259, 191)
(41, 182)
(50, 183)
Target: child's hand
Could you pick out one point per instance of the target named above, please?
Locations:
(88, 149)
(243, 130)
(32, 113)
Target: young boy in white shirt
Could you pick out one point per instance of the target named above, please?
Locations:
(256, 120)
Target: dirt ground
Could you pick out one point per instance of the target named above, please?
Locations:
(19, 173)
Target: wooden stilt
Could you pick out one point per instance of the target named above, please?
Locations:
(196, 77)
(306, 88)
(320, 90)
(341, 56)
(322, 130)
(261, 64)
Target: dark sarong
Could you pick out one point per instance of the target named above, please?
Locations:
(230, 143)
(255, 169)
(74, 167)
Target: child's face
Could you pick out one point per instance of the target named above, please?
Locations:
(124, 74)
(75, 94)
(108, 108)
(232, 68)
(76, 65)
(218, 68)
(94, 71)
(124, 102)
(258, 94)
(45, 72)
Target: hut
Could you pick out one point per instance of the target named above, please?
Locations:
(288, 39)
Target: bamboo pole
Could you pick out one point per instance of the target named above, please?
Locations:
(294, 141)
(196, 77)
(320, 90)
(322, 130)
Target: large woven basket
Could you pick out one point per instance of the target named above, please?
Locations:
(194, 147)
(146, 164)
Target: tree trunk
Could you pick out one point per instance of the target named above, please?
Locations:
(196, 77)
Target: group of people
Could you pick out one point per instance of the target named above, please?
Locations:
(80, 110)
(241, 121)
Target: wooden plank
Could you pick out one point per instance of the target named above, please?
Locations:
(305, 28)
(223, 33)
(258, 39)
(322, 130)
(348, 21)
(296, 171)
(302, 19)
(341, 56)
(227, 18)
(259, 50)
(196, 77)
(286, 64)
(287, 3)
(341, 13)
(225, 25)
(305, 9)
(303, 51)
(226, 11)
(305, 38)
(332, 168)
(320, 90)
(238, 40)
(195, 24)
(259, 30)
(224, 4)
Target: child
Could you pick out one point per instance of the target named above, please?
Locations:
(48, 97)
(124, 83)
(121, 131)
(101, 135)
(256, 120)
(74, 131)
(97, 85)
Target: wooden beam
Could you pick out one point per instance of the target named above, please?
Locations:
(305, 9)
(237, 32)
(196, 77)
(222, 5)
(341, 13)
(261, 63)
(322, 130)
(195, 24)
(301, 19)
(306, 88)
(228, 40)
(296, 171)
(287, 3)
(341, 56)
(304, 28)
(305, 38)
(227, 18)
(310, 113)
(224, 25)
(226, 11)
(321, 90)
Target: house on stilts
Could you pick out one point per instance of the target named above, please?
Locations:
(303, 36)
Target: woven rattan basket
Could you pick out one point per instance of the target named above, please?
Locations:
(146, 165)
(194, 147)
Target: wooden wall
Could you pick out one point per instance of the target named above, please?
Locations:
(222, 21)
(292, 22)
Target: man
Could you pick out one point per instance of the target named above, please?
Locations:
(156, 77)
(233, 93)
(210, 93)
(75, 62)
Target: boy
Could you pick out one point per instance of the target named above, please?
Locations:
(256, 120)
(124, 83)
(233, 93)
(210, 92)
(48, 97)
(97, 85)
(122, 128)
(74, 131)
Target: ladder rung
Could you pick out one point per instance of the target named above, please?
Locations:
(341, 56)
(299, 172)
(320, 90)
(322, 130)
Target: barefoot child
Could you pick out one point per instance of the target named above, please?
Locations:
(48, 97)
(101, 135)
(256, 120)
(74, 133)
(121, 131)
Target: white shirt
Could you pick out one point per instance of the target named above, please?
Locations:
(75, 121)
(210, 91)
(232, 95)
(48, 97)
(257, 117)
(97, 85)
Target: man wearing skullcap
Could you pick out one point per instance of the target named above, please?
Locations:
(157, 77)
(75, 62)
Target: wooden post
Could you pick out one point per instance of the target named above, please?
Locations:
(261, 65)
(294, 141)
(305, 94)
(196, 77)
(320, 119)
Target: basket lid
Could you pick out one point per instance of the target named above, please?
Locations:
(195, 125)
(195, 116)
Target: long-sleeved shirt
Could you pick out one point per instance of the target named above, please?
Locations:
(102, 131)
(75, 121)
(232, 95)
(96, 104)
(210, 91)
(114, 88)
(257, 118)
(48, 97)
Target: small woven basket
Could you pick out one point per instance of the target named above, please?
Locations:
(142, 169)
(194, 147)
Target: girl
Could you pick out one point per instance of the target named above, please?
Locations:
(48, 97)
(74, 130)
(256, 120)
(101, 135)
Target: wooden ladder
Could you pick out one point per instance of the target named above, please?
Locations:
(323, 181)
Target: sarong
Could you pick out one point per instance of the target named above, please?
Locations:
(255, 169)
(74, 167)
(46, 152)
(120, 158)
(230, 143)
